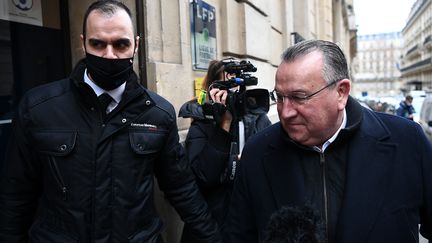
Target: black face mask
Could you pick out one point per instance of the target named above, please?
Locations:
(108, 73)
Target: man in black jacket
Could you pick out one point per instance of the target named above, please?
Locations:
(84, 150)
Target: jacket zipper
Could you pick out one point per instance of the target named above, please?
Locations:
(97, 134)
(414, 236)
(57, 176)
(324, 183)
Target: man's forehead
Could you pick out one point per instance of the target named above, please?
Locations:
(109, 13)
(311, 62)
(314, 56)
(118, 18)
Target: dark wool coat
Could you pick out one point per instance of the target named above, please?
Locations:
(387, 190)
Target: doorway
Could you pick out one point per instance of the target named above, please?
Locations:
(30, 55)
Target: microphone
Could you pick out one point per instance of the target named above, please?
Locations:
(292, 224)
(244, 80)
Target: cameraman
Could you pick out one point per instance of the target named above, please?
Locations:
(208, 141)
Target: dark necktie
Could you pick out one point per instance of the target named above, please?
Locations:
(104, 100)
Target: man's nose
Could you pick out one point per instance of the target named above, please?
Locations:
(109, 52)
(287, 109)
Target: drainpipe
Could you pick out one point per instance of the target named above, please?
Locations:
(142, 55)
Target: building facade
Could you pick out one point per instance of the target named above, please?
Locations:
(254, 30)
(417, 49)
(376, 67)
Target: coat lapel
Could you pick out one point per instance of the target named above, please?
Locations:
(284, 176)
(369, 172)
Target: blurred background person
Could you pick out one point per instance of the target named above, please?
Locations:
(406, 109)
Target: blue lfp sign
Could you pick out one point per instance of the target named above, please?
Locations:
(203, 31)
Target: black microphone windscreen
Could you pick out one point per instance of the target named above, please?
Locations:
(295, 225)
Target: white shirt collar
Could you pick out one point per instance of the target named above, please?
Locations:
(116, 93)
(333, 138)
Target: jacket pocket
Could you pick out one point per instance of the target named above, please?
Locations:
(146, 142)
(42, 233)
(414, 234)
(407, 224)
(53, 145)
(149, 234)
(146, 146)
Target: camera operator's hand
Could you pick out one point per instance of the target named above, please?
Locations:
(220, 96)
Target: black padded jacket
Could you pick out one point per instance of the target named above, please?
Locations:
(72, 176)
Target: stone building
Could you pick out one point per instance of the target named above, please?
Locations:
(42, 44)
(417, 50)
(376, 65)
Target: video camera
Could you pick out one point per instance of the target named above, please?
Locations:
(241, 101)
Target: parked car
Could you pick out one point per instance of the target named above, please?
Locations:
(425, 118)
(417, 103)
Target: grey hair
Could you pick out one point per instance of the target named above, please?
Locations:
(335, 66)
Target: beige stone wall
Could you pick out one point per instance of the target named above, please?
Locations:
(168, 45)
(244, 30)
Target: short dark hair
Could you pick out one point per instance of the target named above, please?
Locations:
(335, 66)
(109, 7)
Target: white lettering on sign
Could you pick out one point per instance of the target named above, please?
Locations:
(205, 14)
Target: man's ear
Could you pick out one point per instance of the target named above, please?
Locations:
(343, 90)
(82, 43)
(137, 39)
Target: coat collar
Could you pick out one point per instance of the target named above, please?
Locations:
(369, 170)
(133, 91)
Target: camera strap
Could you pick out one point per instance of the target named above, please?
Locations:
(233, 159)
(241, 136)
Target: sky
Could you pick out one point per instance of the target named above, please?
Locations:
(381, 16)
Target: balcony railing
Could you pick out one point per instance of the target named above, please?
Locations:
(412, 50)
(417, 64)
(427, 40)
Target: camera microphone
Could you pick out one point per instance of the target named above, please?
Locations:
(234, 82)
(246, 81)
(222, 84)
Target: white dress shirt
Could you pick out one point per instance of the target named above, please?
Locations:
(116, 93)
(331, 140)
